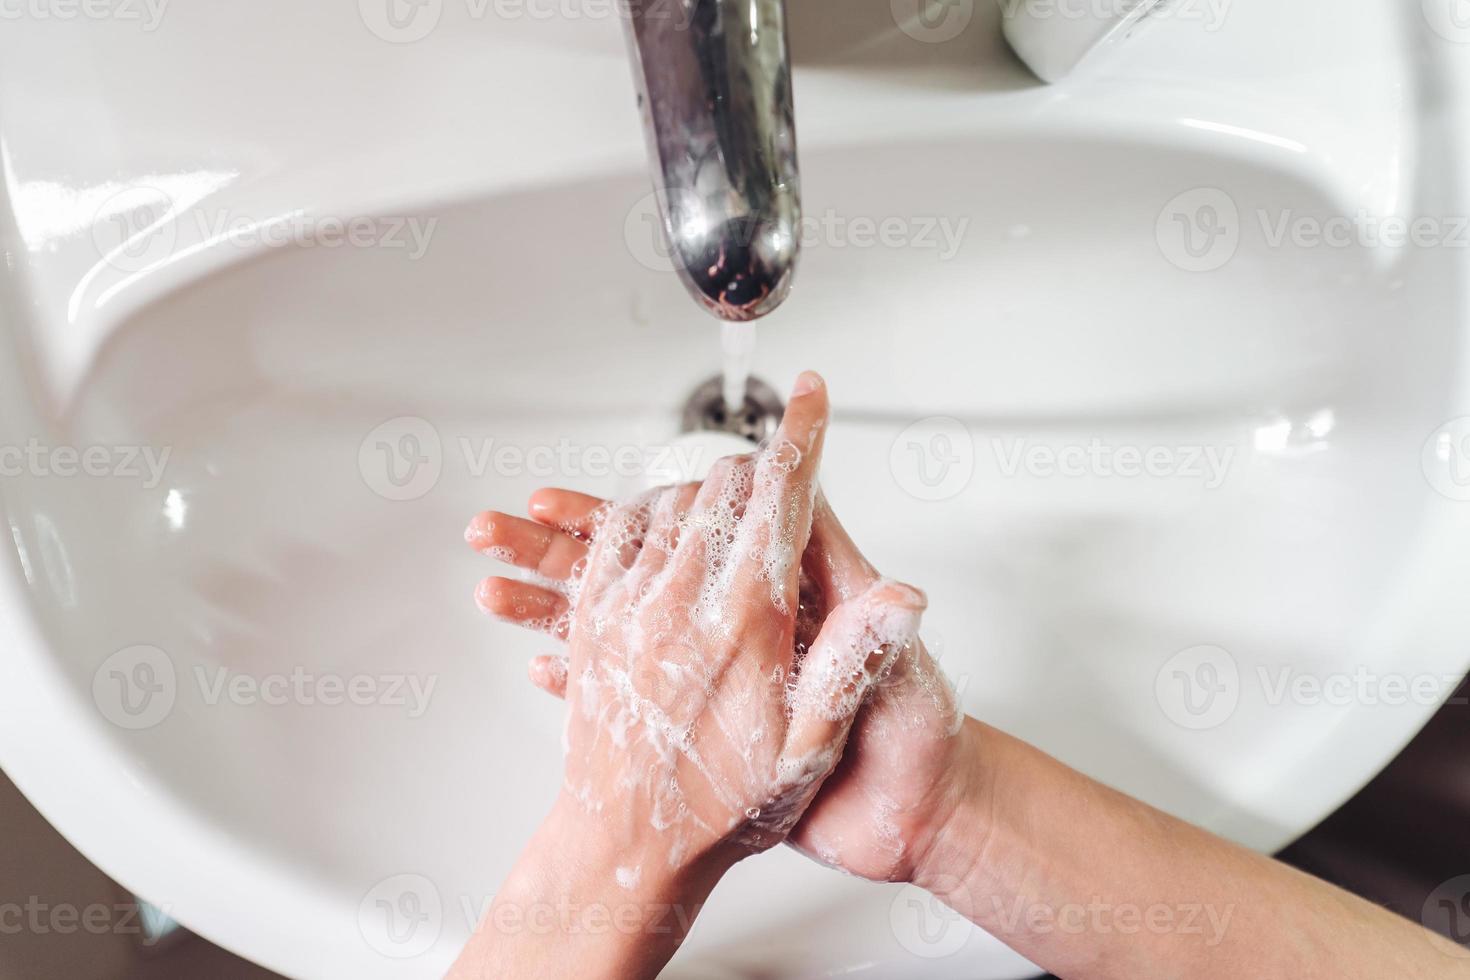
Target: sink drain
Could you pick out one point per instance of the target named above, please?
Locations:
(756, 420)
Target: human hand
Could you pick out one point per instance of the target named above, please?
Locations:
(892, 791)
(696, 727)
(982, 820)
(905, 768)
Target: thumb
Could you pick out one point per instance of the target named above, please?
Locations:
(857, 646)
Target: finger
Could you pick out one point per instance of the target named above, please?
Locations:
(858, 644)
(664, 532)
(726, 487)
(804, 426)
(525, 544)
(778, 521)
(549, 672)
(832, 559)
(708, 540)
(616, 544)
(525, 605)
(566, 510)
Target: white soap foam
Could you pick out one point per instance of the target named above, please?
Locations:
(654, 686)
(629, 877)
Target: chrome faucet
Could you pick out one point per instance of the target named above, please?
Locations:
(714, 87)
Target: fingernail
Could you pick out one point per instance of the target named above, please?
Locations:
(484, 595)
(912, 597)
(549, 671)
(896, 625)
(898, 595)
(479, 530)
(806, 383)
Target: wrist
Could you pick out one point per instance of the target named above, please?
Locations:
(955, 854)
(587, 900)
(613, 852)
(628, 875)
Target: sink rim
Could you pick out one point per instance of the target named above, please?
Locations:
(56, 750)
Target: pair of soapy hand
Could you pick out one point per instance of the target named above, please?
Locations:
(737, 674)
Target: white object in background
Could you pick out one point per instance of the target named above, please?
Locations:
(687, 457)
(1055, 40)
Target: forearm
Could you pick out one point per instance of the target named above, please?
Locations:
(579, 903)
(1094, 885)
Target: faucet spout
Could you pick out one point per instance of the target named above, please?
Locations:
(714, 87)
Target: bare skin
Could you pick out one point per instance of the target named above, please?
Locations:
(1080, 879)
(695, 735)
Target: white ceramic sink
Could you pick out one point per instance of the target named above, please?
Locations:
(331, 418)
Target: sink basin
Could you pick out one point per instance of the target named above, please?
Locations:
(250, 683)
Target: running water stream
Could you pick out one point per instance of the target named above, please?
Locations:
(737, 341)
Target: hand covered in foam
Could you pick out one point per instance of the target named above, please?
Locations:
(904, 767)
(696, 721)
